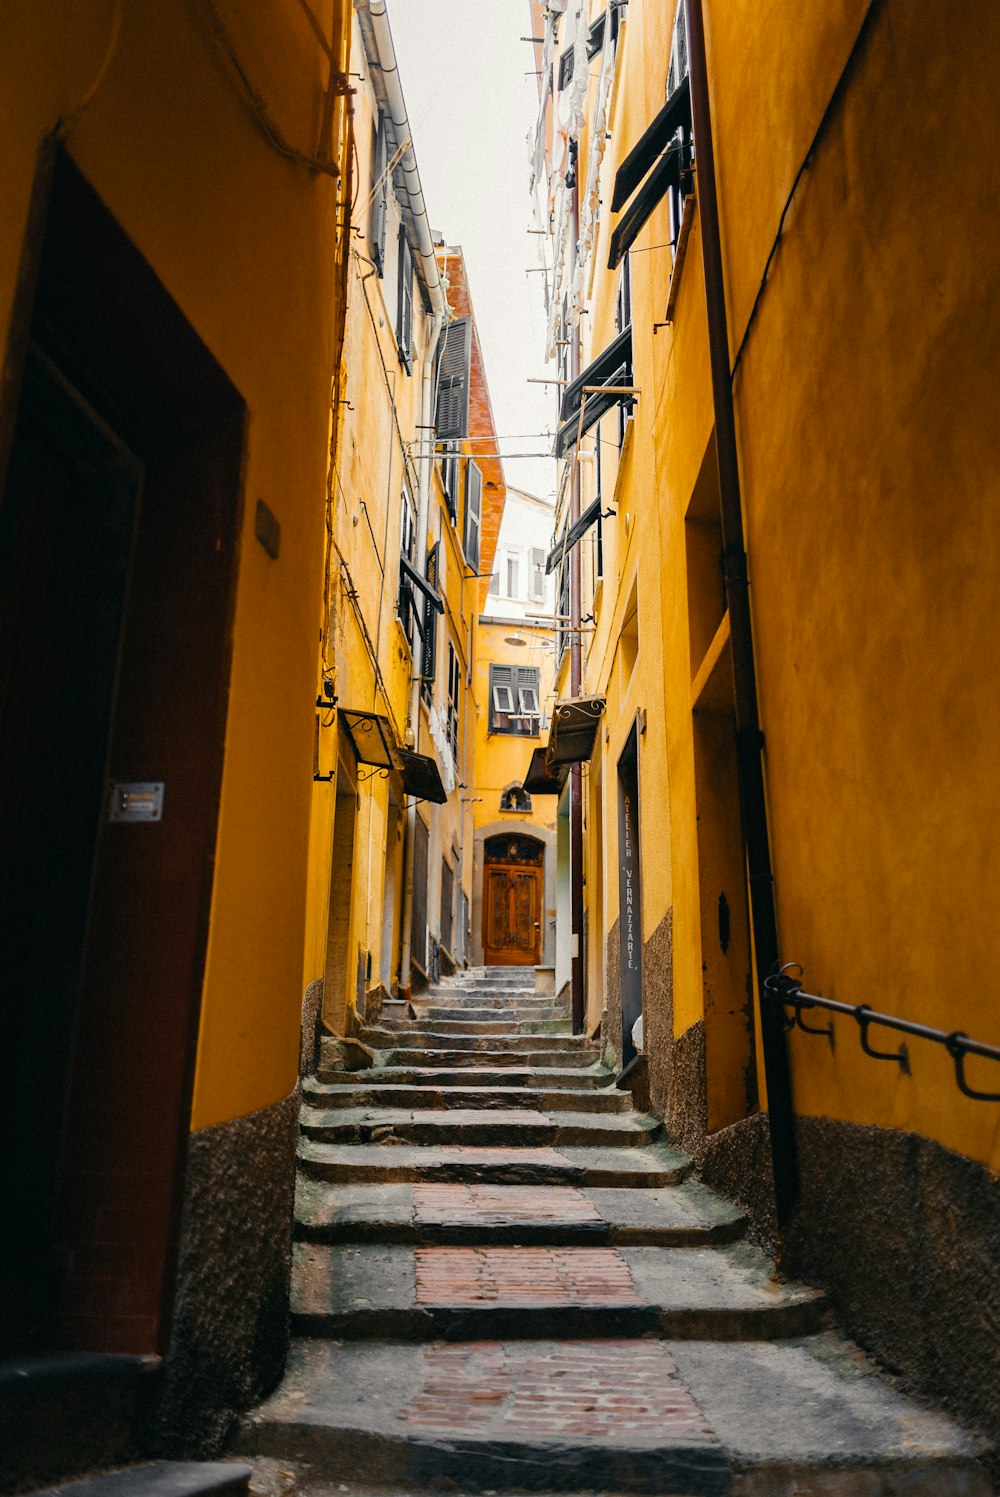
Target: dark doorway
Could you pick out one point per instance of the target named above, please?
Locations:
(118, 529)
(513, 879)
(629, 893)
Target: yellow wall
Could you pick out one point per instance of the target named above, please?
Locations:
(870, 477)
(501, 759)
(245, 241)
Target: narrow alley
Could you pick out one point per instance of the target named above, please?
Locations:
(499, 554)
(504, 1277)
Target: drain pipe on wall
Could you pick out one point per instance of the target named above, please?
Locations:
(749, 739)
(374, 23)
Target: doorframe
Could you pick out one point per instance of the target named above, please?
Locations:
(630, 963)
(513, 826)
(176, 399)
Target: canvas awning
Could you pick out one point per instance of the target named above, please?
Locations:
(613, 369)
(540, 779)
(573, 536)
(573, 729)
(664, 170)
(421, 776)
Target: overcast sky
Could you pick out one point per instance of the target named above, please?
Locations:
(471, 107)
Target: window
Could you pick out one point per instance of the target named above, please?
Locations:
(380, 192)
(407, 605)
(428, 659)
(450, 471)
(536, 585)
(495, 584)
(676, 74)
(512, 571)
(678, 68)
(515, 798)
(454, 698)
(404, 304)
(623, 300)
(599, 527)
(562, 612)
(473, 513)
(514, 704)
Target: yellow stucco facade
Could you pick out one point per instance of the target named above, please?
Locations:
(868, 487)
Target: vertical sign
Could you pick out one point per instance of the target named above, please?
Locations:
(629, 893)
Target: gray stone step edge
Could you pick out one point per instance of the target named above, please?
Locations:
(160, 1479)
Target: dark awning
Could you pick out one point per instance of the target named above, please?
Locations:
(573, 536)
(430, 593)
(612, 367)
(371, 738)
(540, 779)
(675, 115)
(573, 730)
(421, 777)
(665, 174)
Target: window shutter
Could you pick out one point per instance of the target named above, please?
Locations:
(404, 304)
(380, 196)
(473, 513)
(454, 362)
(428, 664)
(502, 684)
(537, 575)
(528, 685)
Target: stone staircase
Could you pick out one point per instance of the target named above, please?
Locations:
(506, 1279)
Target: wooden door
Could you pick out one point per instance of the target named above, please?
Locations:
(512, 902)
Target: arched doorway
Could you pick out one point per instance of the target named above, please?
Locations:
(513, 890)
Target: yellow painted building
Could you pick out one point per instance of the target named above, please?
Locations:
(176, 182)
(833, 724)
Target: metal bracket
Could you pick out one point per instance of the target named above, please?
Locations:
(955, 1045)
(863, 1014)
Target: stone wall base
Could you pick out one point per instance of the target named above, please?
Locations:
(230, 1326)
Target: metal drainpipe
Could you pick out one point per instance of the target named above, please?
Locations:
(749, 739)
(378, 41)
(577, 995)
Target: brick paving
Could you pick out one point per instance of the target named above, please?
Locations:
(485, 1205)
(523, 1275)
(598, 1389)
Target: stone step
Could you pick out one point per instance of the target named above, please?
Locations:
(684, 1215)
(480, 1013)
(358, 1092)
(495, 1028)
(516, 1128)
(416, 1055)
(161, 1479)
(406, 1293)
(593, 1078)
(709, 1419)
(419, 1038)
(654, 1166)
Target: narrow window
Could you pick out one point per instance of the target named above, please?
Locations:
(380, 193)
(404, 304)
(473, 513)
(512, 578)
(454, 695)
(537, 584)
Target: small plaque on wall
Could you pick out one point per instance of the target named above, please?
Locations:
(136, 801)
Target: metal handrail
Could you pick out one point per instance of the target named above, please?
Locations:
(787, 991)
